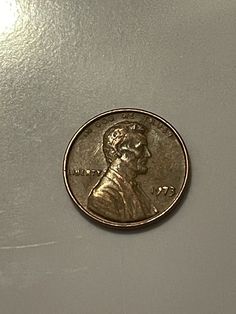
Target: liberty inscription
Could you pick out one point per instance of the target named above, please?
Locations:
(84, 172)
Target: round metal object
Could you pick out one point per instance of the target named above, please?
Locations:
(126, 168)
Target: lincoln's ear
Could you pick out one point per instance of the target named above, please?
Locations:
(124, 149)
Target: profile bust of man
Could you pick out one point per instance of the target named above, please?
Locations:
(117, 196)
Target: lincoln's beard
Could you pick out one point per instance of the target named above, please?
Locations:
(141, 167)
(137, 166)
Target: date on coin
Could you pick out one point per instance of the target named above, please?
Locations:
(126, 168)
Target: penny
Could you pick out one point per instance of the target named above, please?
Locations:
(126, 168)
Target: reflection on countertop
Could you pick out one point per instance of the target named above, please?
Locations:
(9, 14)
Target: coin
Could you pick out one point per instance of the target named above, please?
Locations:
(126, 168)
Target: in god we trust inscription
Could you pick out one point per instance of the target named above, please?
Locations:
(126, 168)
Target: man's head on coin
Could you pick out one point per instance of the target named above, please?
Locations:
(126, 143)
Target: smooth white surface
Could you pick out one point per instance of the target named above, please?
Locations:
(66, 62)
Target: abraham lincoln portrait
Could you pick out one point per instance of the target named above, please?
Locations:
(118, 196)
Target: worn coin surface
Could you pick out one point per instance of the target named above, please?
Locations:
(126, 168)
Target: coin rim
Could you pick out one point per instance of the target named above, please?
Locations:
(125, 225)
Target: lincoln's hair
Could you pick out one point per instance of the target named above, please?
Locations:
(116, 135)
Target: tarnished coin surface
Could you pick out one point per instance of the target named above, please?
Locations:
(126, 168)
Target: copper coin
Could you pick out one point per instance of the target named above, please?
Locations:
(126, 168)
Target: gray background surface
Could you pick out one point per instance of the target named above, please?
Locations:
(66, 61)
